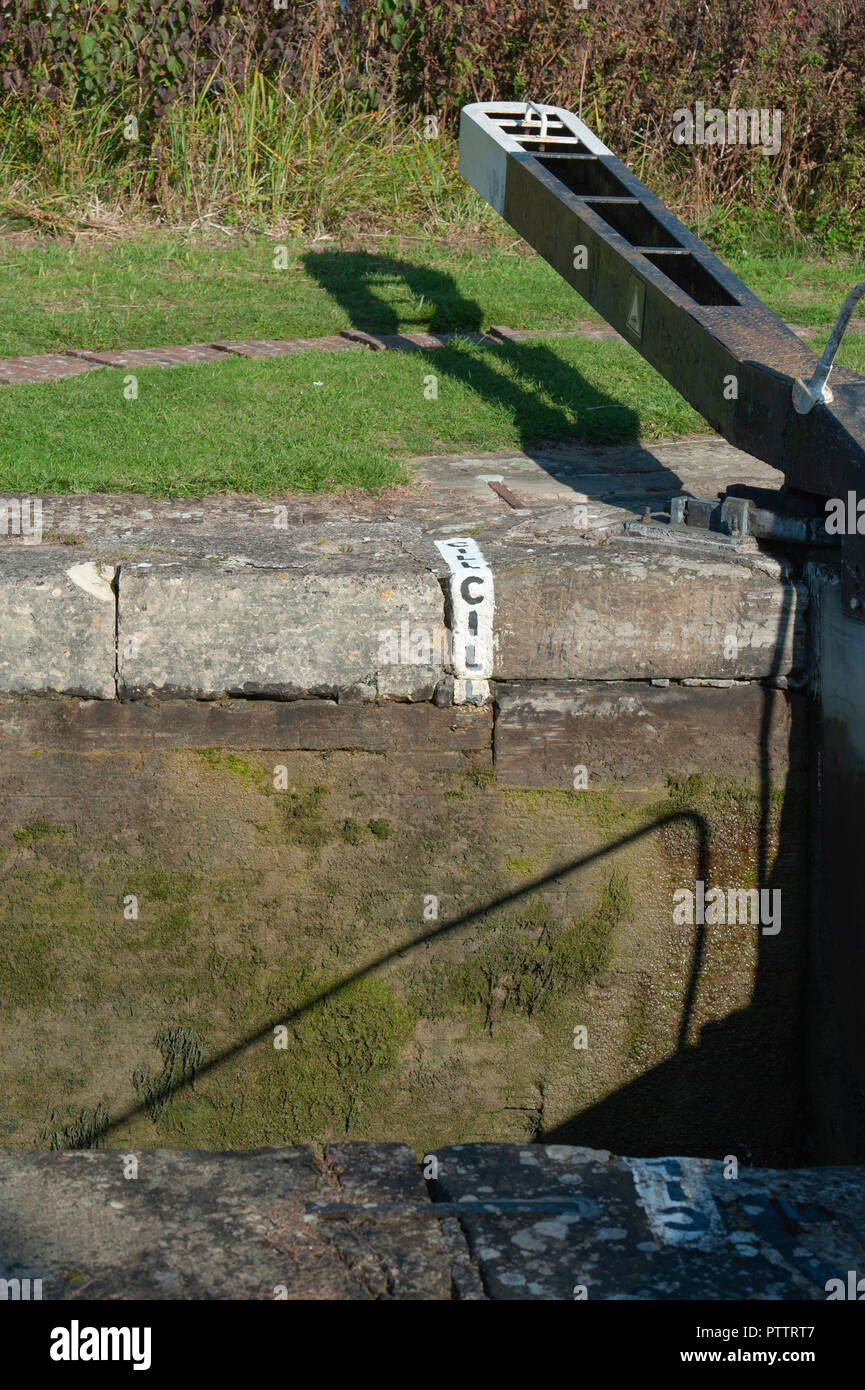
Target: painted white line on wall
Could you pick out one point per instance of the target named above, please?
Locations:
(472, 605)
(676, 1199)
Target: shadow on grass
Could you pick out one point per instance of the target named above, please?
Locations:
(575, 409)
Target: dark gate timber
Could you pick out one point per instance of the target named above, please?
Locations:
(670, 297)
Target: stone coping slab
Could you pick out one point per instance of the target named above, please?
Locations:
(254, 597)
(57, 622)
(207, 629)
(365, 1221)
(389, 625)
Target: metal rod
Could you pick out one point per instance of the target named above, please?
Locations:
(806, 394)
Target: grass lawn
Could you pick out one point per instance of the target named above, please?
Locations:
(163, 288)
(323, 420)
(319, 420)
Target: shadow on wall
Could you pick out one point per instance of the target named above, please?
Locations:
(437, 934)
(738, 1087)
(735, 1089)
(741, 1089)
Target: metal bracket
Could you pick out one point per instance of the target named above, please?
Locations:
(807, 394)
(541, 111)
(765, 514)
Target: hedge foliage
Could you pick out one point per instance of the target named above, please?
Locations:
(626, 64)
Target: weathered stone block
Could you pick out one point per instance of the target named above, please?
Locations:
(296, 724)
(582, 1224)
(620, 612)
(238, 1225)
(56, 622)
(634, 733)
(208, 629)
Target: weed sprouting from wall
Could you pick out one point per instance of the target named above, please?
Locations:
(182, 1056)
(521, 961)
(85, 1130)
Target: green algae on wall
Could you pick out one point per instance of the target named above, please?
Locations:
(257, 894)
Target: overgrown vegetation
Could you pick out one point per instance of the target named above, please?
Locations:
(84, 1130)
(28, 969)
(302, 811)
(241, 931)
(335, 1056)
(36, 830)
(315, 116)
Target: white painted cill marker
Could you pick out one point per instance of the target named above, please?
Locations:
(472, 606)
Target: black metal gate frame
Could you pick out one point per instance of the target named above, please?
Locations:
(668, 295)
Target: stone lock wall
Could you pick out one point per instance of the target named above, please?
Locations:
(238, 923)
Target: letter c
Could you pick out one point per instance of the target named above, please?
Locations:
(464, 588)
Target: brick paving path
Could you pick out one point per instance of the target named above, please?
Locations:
(73, 361)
